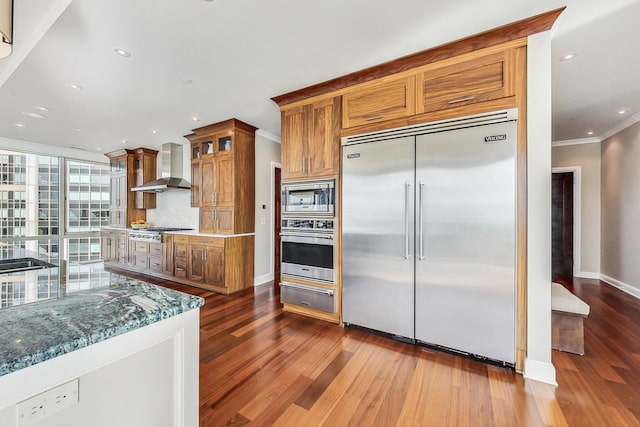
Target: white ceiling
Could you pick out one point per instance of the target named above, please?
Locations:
(240, 53)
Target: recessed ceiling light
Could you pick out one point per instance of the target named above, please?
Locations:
(568, 56)
(195, 119)
(99, 148)
(41, 108)
(622, 111)
(74, 86)
(78, 130)
(590, 132)
(187, 81)
(122, 52)
(124, 141)
(20, 125)
(153, 131)
(34, 115)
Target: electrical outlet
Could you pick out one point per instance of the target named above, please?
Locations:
(263, 220)
(39, 407)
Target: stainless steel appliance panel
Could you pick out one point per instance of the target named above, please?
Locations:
(308, 296)
(378, 235)
(465, 240)
(308, 255)
(308, 198)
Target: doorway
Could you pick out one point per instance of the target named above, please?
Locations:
(277, 196)
(562, 250)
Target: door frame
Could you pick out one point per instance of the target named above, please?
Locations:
(577, 214)
(272, 238)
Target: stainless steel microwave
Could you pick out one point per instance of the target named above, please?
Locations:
(308, 198)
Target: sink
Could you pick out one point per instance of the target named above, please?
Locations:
(23, 264)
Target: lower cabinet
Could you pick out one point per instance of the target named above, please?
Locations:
(221, 264)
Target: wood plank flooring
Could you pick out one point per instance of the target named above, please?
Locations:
(262, 367)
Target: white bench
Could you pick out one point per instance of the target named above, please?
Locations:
(568, 312)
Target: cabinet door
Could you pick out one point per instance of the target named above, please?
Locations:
(476, 80)
(293, 146)
(180, 260)
(167, 254)
(195, 183)
(379, 101)
(122, 248)
(215, 266)
(106, 245)
(207, 220)
(224, 220)
(195, 262)
(207, 180)
(323, 146)
(223, 181)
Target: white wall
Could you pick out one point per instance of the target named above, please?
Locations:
(620, 232)
(538, 364)
(267, 157)
(586, 159)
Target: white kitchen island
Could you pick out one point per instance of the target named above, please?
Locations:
(132, 346)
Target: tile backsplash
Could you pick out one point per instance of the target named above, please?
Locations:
(174, 210)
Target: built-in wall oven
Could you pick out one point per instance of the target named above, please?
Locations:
(308, 198)
(307, 249)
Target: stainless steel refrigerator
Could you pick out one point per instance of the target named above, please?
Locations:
(429, 233)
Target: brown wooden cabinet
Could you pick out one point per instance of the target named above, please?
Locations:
(378, 101)
(484, 78)
(113, 245)
(223, 176)
(180, 244)
(128, 169)
(311, 139)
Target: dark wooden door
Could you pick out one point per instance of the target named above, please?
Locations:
(277, 199)
(562, 226)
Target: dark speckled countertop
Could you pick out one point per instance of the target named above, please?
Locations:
(33, 333)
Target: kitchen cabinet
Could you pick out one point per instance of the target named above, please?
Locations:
(129, 168)
(377, 101)
(113, 246)
(144, 165)
(483, 78)
(311, 139)
(180, 244)
(223, 176)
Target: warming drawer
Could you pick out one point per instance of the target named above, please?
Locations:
(308, 296)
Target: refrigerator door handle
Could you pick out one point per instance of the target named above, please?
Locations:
(407, 219)
(420, 224)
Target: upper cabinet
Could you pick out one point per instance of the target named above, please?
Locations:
(378, 101)
(480, 79)
(311, 139)
(130, 168)
(223, 176)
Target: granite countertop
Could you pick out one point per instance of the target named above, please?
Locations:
(33, 333)
(185, 232)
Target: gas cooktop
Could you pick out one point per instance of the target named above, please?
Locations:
(161, 229)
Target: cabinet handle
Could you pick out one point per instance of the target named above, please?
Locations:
(215, 214)
(378, 116)
(204, 254)
(179, 268)
(215, 198)
(466, 98)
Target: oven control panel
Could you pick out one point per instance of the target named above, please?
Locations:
(305, 224)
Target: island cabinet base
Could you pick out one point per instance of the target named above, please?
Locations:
(145, 377)
(222, 265)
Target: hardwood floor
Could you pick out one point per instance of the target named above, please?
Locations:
(260, 366)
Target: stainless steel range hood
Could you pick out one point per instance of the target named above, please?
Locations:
(171, 175)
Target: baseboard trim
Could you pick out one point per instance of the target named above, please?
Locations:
(624, 287)
(260, 280)
(540, 371)
(588, 275)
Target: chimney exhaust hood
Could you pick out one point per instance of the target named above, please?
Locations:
(171, 175)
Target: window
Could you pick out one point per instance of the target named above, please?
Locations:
(87, 196)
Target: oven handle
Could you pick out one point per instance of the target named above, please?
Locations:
(315, 235)
(321, 291)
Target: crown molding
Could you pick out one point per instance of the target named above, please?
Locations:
(621, 126)
(268, 135)
(579, 141)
